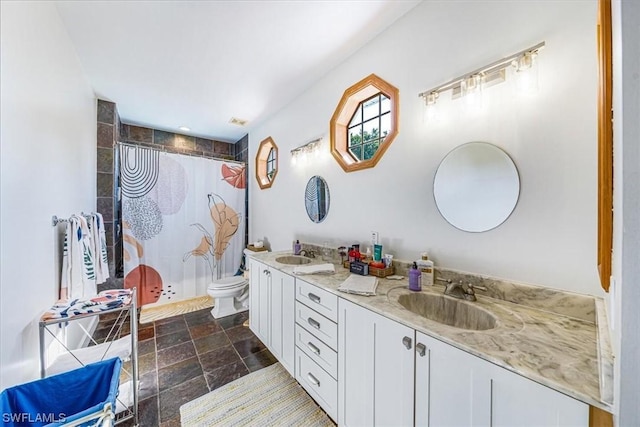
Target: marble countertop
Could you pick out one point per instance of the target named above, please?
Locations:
(557, 351)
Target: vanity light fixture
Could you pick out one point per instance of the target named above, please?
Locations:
(431, 97)
(301, 152)
(430, 101)
(477, 80)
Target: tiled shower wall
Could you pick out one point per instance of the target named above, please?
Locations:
(242, 155)
(111, 130)
(108, 135)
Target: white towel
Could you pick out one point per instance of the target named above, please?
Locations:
(314, 269)
(359, 285)
(78, 278)
(99, 247)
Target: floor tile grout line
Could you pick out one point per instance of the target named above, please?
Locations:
(193, 342)
(155, 349)
(199, 359)
(236, 350)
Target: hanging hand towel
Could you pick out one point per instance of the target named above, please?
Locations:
(78, 278)
(72, 270)
(99, 247)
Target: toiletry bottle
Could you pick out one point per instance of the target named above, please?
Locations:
(377, 252)
(352, 254)
(357, 254)
(297, 248)
(414, 278)
(425, 265)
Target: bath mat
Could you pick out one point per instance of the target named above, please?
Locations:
(268, 397)
(151, 313)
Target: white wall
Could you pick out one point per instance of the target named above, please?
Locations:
(48, 167)
(626, 206)
(550, 239)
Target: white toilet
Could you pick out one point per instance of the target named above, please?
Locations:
(231, 296)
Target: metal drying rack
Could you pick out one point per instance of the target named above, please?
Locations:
(55, 220)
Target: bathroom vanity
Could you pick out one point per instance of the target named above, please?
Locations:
(380, 361)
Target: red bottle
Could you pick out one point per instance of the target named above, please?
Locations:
(357, 254)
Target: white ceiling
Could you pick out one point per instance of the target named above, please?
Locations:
(198, 63)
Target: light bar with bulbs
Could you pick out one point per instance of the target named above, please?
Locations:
(309, 147)
(485, 76)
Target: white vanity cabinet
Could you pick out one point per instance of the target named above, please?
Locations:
(260, 298)
(452, 387)
(271, 315)
(316, 338)
(390, 374)
(455, 388)
(376, 369)
(517, 401)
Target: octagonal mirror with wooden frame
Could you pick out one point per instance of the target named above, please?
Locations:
(266, 163)
(364, 123)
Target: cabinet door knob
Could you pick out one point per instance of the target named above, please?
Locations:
(313, 297)
(314, 323)
(407, 342)
(421, 349)
(313, 379)
(313, 348)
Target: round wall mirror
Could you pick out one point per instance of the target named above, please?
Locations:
(476, 187)
(316, 199)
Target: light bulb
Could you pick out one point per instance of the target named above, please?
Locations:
(526, 73)
(430, 113)
(471, 88)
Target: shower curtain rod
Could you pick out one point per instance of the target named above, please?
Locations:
(164, 150)
(55, 220)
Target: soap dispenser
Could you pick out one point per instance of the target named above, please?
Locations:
(414, 278)
(297, 247)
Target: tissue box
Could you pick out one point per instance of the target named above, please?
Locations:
(359, 268)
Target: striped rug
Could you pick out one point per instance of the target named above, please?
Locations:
(268, 397)
(151, 313)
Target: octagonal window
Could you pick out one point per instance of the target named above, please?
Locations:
(364, 123)
(266, 163)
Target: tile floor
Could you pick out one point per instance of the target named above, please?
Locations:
(183, 357)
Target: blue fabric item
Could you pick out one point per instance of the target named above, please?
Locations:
(62, 398)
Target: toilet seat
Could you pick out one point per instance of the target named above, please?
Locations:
(227, 283)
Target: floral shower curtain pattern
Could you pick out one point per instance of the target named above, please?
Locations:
(182, 221)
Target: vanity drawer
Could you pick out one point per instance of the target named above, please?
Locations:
(317, 383)
(317, 351)
(320, 300)
(318, 325)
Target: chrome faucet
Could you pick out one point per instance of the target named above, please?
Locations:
(458, 290)
(310, 254)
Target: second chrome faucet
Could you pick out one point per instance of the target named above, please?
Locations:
(460, 291)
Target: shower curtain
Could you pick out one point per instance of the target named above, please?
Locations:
(183, 222)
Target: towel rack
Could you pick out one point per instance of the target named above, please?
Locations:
(55, 220)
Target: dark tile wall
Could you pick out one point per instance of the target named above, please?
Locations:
(242, 149)
(110, 131)
(177, 143)
(242, 155)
